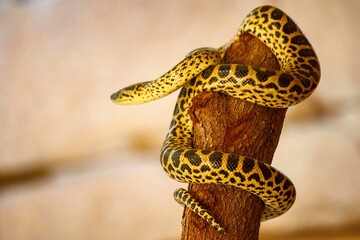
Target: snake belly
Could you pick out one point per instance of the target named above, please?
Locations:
(202, 71)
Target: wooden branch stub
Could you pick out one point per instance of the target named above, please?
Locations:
(235, 126)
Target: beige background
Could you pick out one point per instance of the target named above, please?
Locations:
(75, 166)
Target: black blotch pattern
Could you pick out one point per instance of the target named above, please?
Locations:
(297, 89)
(248, 165)
(216, 159)
(287, 184)
(205, 168)
(248, 81)
(271, 85)
(224, 173)
(254, 176)
(279, 178)
(265, 171)
(263, 76)
(224, 70)
(239, 175)
(290, 26)
(207, 72)
(185, 167)
(232, 162)
(300, 40)
(176, 157)
(265, 8)
(165, 156)
(307, 53)
(241, 71)
(314, 63)
(205, 151)
(193, 157)
(277, 14)
(212, 80)
(285, 79)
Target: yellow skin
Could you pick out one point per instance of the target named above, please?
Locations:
(201, 71)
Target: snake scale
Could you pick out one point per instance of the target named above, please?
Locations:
(203, 71)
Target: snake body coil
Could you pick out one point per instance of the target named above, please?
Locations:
(201, 71)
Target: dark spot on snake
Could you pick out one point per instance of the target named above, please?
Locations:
(248, 165)
(209, 178)
(189, 91)
(241, 71)
(232, 180)
(287, 184)
(279, 178)
(232, 162)
(213, 174)
(285, 79)
(193, 157)
(265, 8)
(265, 172)
(224, 173)
(314, 63)
(232, 80)
(307, 53)
(179, 117)
(288, 194)
(182, 93)
(297, 89)
(271, 85)
(277, 34)
(176, 157)
(290, 26)
(277, 14)
(176, 110)
(182, 105)
(224, 70)
(170, 168)
(192, 206)
(254, 176)
(165, 156)
(212, 80)
(277, 189)
(300, 40)
(285, 39)
(263, 76)
(248, 81)
(205, 168)
(207, 72)
(185, 167)
(265, 17)
(216, 159)
(270, 184)
(205, 151)
(304, 81)
(277, 25)
(307, 67)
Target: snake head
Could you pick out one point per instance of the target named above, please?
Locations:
(129, 95)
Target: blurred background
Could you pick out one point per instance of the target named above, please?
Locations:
(75, 166)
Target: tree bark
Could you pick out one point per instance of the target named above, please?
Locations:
(235, 126)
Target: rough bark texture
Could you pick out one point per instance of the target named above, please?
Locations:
(235, 126)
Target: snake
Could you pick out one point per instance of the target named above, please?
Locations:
(202, 70)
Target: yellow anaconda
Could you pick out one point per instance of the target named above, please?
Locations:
(201, 71)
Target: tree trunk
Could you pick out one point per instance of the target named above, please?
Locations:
(234, 126)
